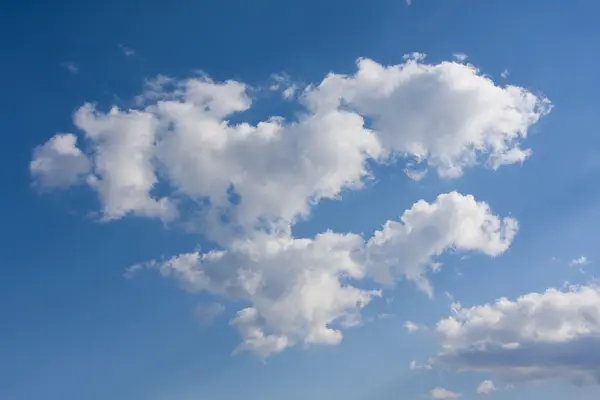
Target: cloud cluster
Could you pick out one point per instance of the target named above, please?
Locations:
(447, 116)
(538, 336)
(184, 144)
(306, 290)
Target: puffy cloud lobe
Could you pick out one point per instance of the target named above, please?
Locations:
(278, 170)
(298, 288)
(411, 327)
(306, 290)
(407, 247)
(486, 387)
(119, 167)
(59, 163)
(446, 115)
(123, 152)
(538, 336)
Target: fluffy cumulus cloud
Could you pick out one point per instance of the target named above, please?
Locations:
(59, 162)
(186, 142)
(446, 116)
(407, 247)
(306, 290)
(123, 149)
(299, 290)
(539, 336)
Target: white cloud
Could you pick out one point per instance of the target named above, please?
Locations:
(128, 52)
(253, 182)
(415, 174)
(447, 116)
(122, 157)
(156, 89)
(278, 169)
(299, 290)
(414, 365)
(119, 166)
(460, 57)
(486, 387)
(59, 163)
(284, 84)
(407, 248)
(582, 260)
(71, 67)
(539, 336)
(441, 393)
(303, 291)
(411, 327)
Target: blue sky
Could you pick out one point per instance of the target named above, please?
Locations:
(73, 327)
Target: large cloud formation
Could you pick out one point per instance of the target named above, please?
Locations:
(445, 115)
(299, 288)
(252, 181)
(538, 336)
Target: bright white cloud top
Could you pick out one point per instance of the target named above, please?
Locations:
(255, 181)
(298, 288)
(446, 115)
(538, 336)
(59, 162)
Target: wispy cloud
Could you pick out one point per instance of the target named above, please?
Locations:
(207, 313)
(441, 393)
(283, 83)
(129, 52)
(71, 67)
(415, 365)
(413, 327)
(461, 57)
(582, 260)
